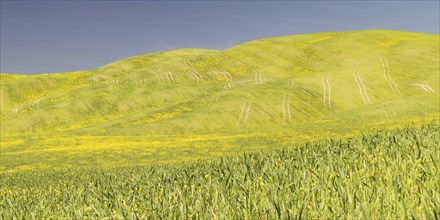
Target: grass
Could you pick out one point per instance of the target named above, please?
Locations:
(387, 174)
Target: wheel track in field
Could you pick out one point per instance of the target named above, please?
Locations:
(357, 77)
(244, 112)
(387, 75)
(326, 99)
(285, 108)
(258, 78)
(425, 87)
(196, 74)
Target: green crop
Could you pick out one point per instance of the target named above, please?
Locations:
(388, 174)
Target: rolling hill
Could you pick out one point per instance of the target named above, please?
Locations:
(194, 103)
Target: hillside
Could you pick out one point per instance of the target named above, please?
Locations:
(300, 87)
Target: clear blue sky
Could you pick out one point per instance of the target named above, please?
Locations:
(50, 36)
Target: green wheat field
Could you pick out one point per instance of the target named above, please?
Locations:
(316, 126)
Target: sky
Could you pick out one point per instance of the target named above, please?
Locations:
(64, 36)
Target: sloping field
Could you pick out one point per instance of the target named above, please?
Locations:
(192, 103)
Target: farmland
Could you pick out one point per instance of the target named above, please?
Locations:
(324, 125)
(383, 174)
